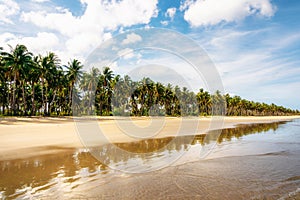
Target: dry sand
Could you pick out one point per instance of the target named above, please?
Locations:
(26, 137)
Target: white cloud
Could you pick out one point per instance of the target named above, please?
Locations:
(253, 66)
(40, 1)
(97, 16)
(40, 43)
(165, 23)
(184, 4)
(83, 42)
(8, 8)
(282, 42)
(132, 38)
(5, 37)
(82, 34)
(147, 26)
(107, 36)
(253, 75)
(128, 53)
(212, 12)
(125, 52)
(171, 13)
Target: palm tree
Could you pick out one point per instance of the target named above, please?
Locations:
(229, 104)
(236, 105)
(3, 84)
(159, 91)
(122, 90)
(218, 103)
(107, 78)
(89, 84)
(204, 102)
(55, 85)
(48, 67)
(74, 72)
(33, 78)
(169, 98)
(18, 61)
(146, 95)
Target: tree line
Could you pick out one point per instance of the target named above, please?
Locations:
(33, 85)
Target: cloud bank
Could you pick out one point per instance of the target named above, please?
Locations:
(213, 12)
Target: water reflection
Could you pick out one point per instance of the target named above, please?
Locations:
(247, 129)
(154, 145)
(20, 177)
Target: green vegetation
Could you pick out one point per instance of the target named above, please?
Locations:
(40, 85)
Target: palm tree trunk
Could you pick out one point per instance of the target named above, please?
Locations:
(8, 98)
(14, 94)
(90, 104)
(46, 103)
(70, 99)
(3, 108)
(24, 100)
(50, 104)
(43, 97)
(33, 100)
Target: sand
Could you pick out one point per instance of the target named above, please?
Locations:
(26, 137)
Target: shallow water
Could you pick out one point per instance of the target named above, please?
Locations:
(248, 162)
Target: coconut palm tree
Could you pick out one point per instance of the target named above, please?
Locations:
(74, 72)
(107, 78)
(55, 84)
(204, 102)
(3, 85)
(18, 60)
(169, 99)
(48, 68)
(159, 91)
(90, 86)
(122, 90)
(33, 78)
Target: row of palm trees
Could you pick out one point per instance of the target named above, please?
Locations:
(36, 85)
(40, 85)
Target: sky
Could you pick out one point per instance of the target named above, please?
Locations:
(254, 44)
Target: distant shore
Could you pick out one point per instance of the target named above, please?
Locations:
(26, 137)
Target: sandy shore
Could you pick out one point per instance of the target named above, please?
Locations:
(25, 137)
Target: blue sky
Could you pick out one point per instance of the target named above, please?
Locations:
(255, 44)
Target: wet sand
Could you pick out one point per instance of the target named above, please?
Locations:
(266, 176)
(26, 137)
(253, 161)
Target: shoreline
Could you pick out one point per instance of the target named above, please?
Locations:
(22, 137)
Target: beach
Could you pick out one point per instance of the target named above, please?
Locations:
(26, 137)
(253, 158)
